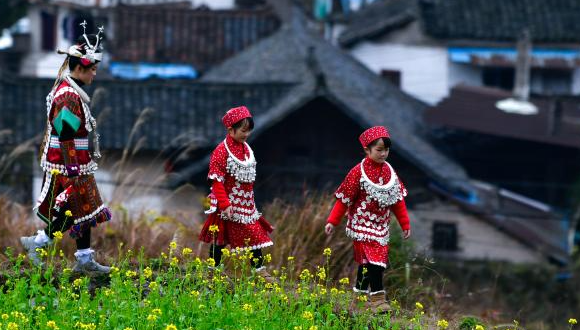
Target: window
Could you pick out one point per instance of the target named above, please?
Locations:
(499, 77)
(48, 25)
(551, 81)
(394, 76)
(444, 236)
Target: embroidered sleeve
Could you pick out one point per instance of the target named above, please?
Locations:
(220, 194)
(67, 114)
(217, 164)
(349, 189)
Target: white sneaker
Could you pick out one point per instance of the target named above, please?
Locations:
(91, 267)
(30, 246)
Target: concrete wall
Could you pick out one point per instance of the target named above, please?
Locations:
(477, 239)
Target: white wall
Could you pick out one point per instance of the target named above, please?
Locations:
(424, 69)
(466, 74)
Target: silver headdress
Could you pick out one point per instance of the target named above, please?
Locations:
(93, 53)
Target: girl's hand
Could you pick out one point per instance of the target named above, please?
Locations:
(329, 228)
(406, 233)
(227, 212)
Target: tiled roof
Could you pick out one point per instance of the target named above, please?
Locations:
(174, 113)
(474, 109)
(549, 21)
(201, 38)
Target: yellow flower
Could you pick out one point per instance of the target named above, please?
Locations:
(210, 262)
(572, 321)
(172, 245)
(418, 305)
(57, 235)
(153, 285)
(327, 252)
(170, 327)
(268, 258)
(334, 291)
(321, 274)
(128, 328)
(344, 281)
(305, 275)
(186, 251)
(68, 213)
(225, 252)
(77, 283)
(51, 325)
(5, 317)
(479, 327)
(307, 315)
(290, 258)
(156, 311)
(12, 326)
(443, 324)
(147, 272)
(42, 252)
(362, 298)
(214, 228)
(54, 171)
(174, 262)
(247, 307)
(130, 273)
(61, 253)
(314, 327)
(194, 293)
(151, 318)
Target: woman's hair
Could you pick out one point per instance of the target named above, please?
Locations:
(386, 141)
(73, 61)
(242, 122)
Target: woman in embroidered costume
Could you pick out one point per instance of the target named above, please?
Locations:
(69, 199)
(233, 218)
(369, 193)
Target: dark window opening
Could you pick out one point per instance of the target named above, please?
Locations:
(444, 236)
(499, 77)
(394, 76)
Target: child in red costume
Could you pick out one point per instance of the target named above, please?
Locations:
(233, 218)
(369, 193)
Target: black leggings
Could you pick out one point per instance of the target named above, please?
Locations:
(215, 252)
(373, 277)
(63, 224)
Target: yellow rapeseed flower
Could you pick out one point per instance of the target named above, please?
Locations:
(5, 317)
(57, 235)
(153, 285)
(313, 327)
(42, 252)
(68, 213)
(290, 258)
(77, 283)
(307, 315)
(214, 228)
(130, 273)
(151, 318)
(225, 252)
(321, 273)
(170, 327)
(573, 321)
(268, 258)
(51, 325)
(186, 251)
(157, 311)
(174, 262)
(327, 252)
(147, 272)
(479, 327)
(443, 324)
(172, 245)
(247, 307)
(418, 305)
(194, 293)
(54, 171)
(128, 328)
(344, 281)
(12, 326)
(210, 262)
(362, 298)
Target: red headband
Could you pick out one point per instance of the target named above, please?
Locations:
(234, 115)
(372, 134)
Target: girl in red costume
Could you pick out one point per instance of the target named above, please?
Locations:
(369, 193)
(233, 218)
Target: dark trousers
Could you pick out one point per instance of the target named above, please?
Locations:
(373, 277)
(215, 252)
(63, 224)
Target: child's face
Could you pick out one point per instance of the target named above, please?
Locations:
(378, 153)
(241, 134)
